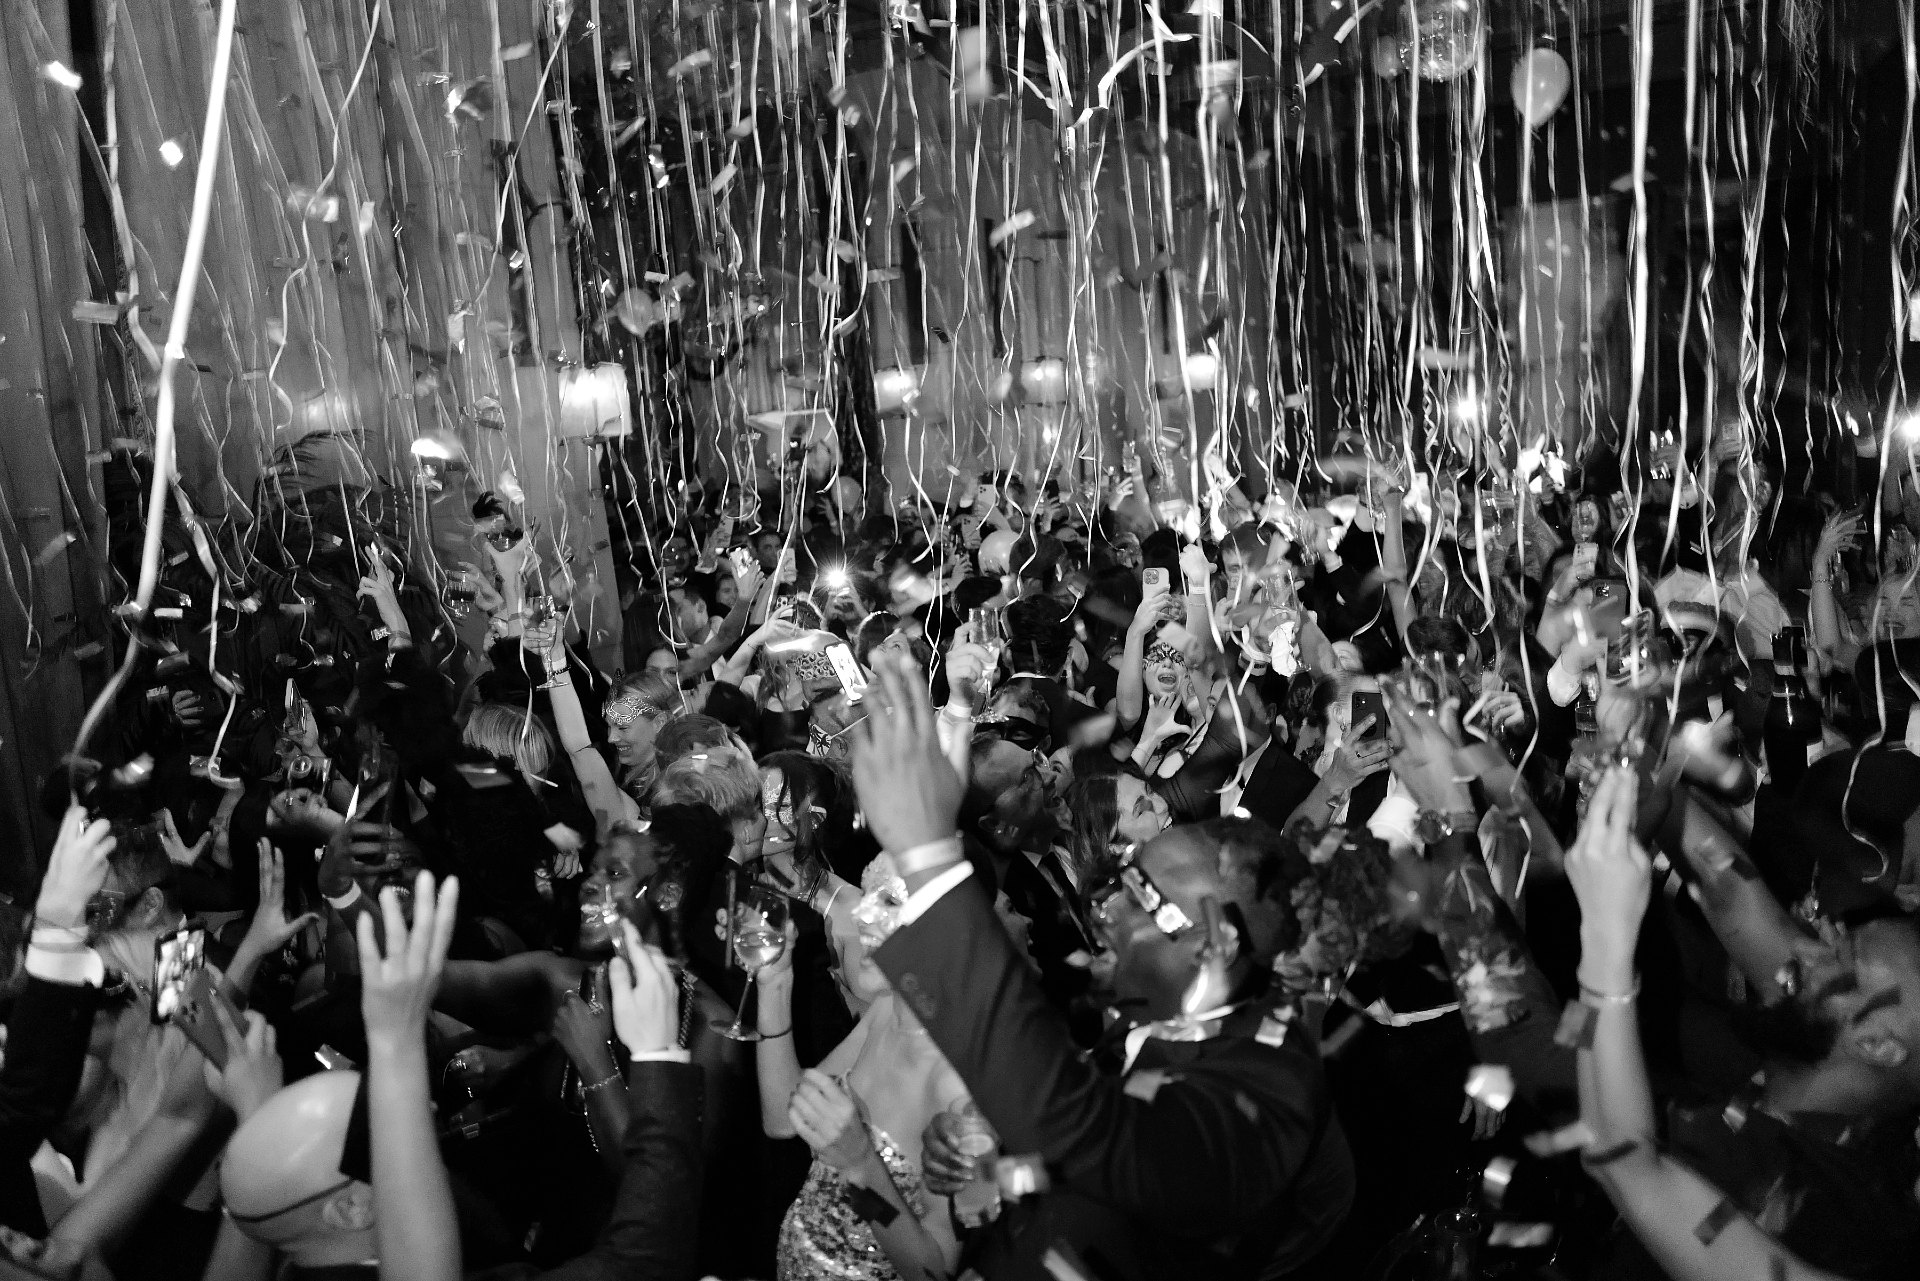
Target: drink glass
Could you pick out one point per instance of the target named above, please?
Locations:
(758, 938)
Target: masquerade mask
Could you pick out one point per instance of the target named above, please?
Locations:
(622, 712)
(1161, 652)
(878, 911)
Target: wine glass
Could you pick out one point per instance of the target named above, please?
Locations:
(758, 938)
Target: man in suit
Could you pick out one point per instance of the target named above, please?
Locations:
(1216, 1153)
(1039, 643)
(46, 1047)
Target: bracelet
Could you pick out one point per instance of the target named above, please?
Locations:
(1592, 997)
(601, 1085)
(774, 1036)
(72, 931)
(1823, 582)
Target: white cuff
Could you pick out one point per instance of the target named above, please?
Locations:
(662, 1056)
(1562, 686)
(921, 901)
(72, 968)
(346, 900)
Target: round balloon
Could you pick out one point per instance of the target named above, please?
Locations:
(1540, 82)
(996, 551)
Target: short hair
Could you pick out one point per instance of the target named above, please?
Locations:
(687, 733)
(505, 732)
(1039, 635)
(721, 778)
(1249, 540)
(873, 632)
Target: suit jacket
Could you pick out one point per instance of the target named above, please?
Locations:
(1279, 782)
(1231, 1166)
(651, 1234)
(46, 1050)
(1064, 712)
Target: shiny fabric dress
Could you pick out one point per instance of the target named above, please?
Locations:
(822, 1239)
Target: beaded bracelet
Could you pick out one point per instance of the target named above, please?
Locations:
(1628, 997)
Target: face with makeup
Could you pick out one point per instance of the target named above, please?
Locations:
(1164, 667)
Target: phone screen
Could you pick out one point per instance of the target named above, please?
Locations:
(177, 958)
(1365, 703)
(1586, 558)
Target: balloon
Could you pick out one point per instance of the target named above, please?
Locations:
(1540, 83)
(1445, 37)
(996, 551)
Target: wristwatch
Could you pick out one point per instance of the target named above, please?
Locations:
(1433, 826)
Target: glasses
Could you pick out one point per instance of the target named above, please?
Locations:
(1161, 652)
(1132, 881)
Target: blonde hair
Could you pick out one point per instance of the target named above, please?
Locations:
(506, 732)
(722, 778)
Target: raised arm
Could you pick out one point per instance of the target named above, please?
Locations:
(1665, 1203)
(51, 1021)
(414, 1226)
(731, 628)
(605, 797)
(1748, 920)
(1130, 691)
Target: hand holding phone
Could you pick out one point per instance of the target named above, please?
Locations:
(1365, 704)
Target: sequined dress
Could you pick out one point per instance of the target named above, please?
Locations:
(822, 1239)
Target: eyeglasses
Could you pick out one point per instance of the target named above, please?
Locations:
(1131, 879)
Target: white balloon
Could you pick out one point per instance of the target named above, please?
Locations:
(1540, 82)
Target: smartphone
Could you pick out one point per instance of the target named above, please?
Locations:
(789, 571)
(847, 670)
(742, 561)
(185, 994)
(1153, 579)
(1365, 703)
(1586, 560)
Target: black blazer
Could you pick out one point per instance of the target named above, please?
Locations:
(651, 1234)
(1279, 782)
(1233, 1167)
(46, 1050)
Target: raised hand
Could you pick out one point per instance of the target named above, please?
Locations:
(1424, 759)
(907, 787)
(397, 985)
(179, 853)
(1613, 879)
(253, 1073)
(1839, 535)
(76, 870)
(1359, 757)
(378, 581)
(646, 999)
(485, 595)
(270, 930)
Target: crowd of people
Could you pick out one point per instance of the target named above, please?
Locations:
(1411, 872)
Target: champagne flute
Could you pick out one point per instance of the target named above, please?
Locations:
(758, 938)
